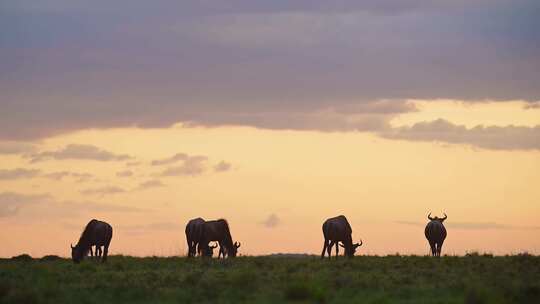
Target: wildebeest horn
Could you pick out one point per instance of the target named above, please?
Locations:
(360, 244)
(429, 217)
(237, 244)
(445, 216)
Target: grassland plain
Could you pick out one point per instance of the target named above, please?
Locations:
(266, 279)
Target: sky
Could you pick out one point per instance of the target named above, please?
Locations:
(275, 115)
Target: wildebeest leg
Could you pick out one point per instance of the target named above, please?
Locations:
(191, 249)
(194, 249)
(337, 249)
(329, 249)
(221, 252)
(91, 253)
(222, 249)
(100, 250)
(105, 253)
(433, 248)
(325, 244)
(439, 247)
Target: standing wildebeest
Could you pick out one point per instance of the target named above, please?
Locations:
(96, 233)
(218, 231)
(435, 234)
(335, 230)
(193, 235)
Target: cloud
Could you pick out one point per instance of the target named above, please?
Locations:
(237, 64)
(384, 106)
(532, 105)
(153, 183)
(192, 166)
(222, 166)
(103, 191)
(82, 177)
(44, 206)
(329, 119)
(23, 173)
(490, 137)
(11, 202)
(80, 152)
(125, 173)
(171, 160)
(57, 175)
(18, 173)
(60, 175)
(14, 147)
(272, 221)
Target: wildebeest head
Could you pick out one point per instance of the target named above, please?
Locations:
(234, 250)
(76, 254)
(352, 250)
(440, 219)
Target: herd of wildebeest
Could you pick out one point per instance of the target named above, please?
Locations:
(200, 233)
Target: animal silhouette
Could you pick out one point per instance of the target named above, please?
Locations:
(435, 233)
(335, 230)
(218, 231)
(96, 233)
(193, 235)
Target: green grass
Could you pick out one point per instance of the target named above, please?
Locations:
(363, 279)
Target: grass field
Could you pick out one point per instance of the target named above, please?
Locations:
(363, 279)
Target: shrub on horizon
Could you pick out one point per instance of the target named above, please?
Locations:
(22, 257)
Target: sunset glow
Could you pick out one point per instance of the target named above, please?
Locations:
(225, 113)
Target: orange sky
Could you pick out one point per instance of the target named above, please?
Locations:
(275, 115)
(276, 187)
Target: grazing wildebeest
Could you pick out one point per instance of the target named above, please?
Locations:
(218, 231)
(193, 235)
(435, 234)
(335, 230)
(96, 233)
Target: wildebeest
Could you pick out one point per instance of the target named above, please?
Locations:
(335, 230)
(211, 248)
(435, 234)
(218, 231)
(193, 235)
(96, 233)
